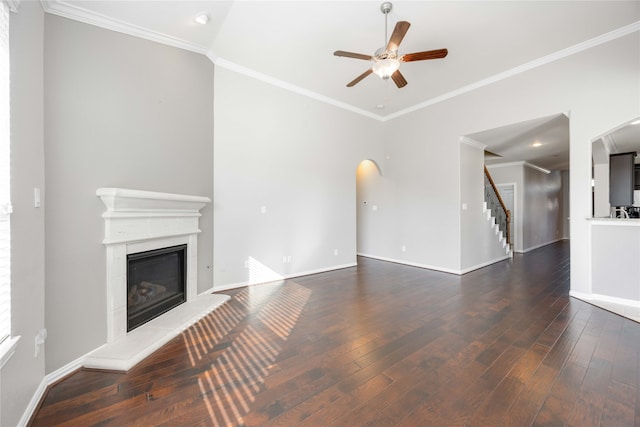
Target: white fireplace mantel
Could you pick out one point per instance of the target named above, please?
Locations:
(134, 215)
(138, 221)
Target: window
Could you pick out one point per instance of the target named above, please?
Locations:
(5, 204)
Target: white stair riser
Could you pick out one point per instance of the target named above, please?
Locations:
(496, 228)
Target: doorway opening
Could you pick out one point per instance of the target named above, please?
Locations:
(368, 176)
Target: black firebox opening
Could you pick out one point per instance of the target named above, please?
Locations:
(156, 282)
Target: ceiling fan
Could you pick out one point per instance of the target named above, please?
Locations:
(386, 60)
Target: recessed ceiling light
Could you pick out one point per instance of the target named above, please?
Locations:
(201, 18)
(380, 106)
(536, 144)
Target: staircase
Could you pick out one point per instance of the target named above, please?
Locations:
(495, 226)
(498, 215)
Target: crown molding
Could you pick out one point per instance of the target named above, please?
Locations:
(588, 44)
(77, 13)
(221, 62)
(64, 9)
(472, 143)
(505, 165)
(538, 168)
(519, 163)
(13, 5)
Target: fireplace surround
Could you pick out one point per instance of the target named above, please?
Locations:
(139, 221)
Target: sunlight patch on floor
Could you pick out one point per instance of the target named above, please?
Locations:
(237, 374)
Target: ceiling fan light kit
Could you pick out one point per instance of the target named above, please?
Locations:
(386, 62)
(385, 68)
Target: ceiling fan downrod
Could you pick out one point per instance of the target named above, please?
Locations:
(385, 8)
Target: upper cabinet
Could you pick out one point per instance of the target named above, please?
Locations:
(621, 179)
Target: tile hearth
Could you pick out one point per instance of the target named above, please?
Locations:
(125, 352)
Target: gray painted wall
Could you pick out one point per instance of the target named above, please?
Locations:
(599, 87)
(472, 196)
(542, 219)
(22, 375)
(295, 157)
(539, 202)
(119, 112)
(109, 97)
(422, 166)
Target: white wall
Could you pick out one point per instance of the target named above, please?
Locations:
(119, 112)
(24, 372)
(295, 157)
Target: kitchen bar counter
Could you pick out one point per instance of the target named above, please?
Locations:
(615, 221)
(615, 260)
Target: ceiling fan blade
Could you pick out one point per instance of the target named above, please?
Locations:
(359, 78)
(353, 55)
(398, 34)
(421, 56)
(398, 79)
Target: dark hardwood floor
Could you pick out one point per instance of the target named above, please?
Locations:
(381, 345)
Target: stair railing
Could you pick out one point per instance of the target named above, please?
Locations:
(495, 203)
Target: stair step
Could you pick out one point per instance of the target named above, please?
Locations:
(496, 229)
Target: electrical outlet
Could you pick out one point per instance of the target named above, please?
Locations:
(36, 198)
(39, 341)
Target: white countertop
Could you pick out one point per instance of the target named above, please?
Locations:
(615, 221)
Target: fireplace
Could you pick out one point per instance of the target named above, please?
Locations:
(156, 232)
(155, 283)
(138, 222)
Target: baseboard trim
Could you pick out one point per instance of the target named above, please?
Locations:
(533, 248)
(59, 374)
(285, 277)
(484, 264)
(48, 381)
(605, 298)
(412, 264)
(322, 270)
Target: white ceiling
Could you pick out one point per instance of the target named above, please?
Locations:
(291, 43)
(515, 143)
